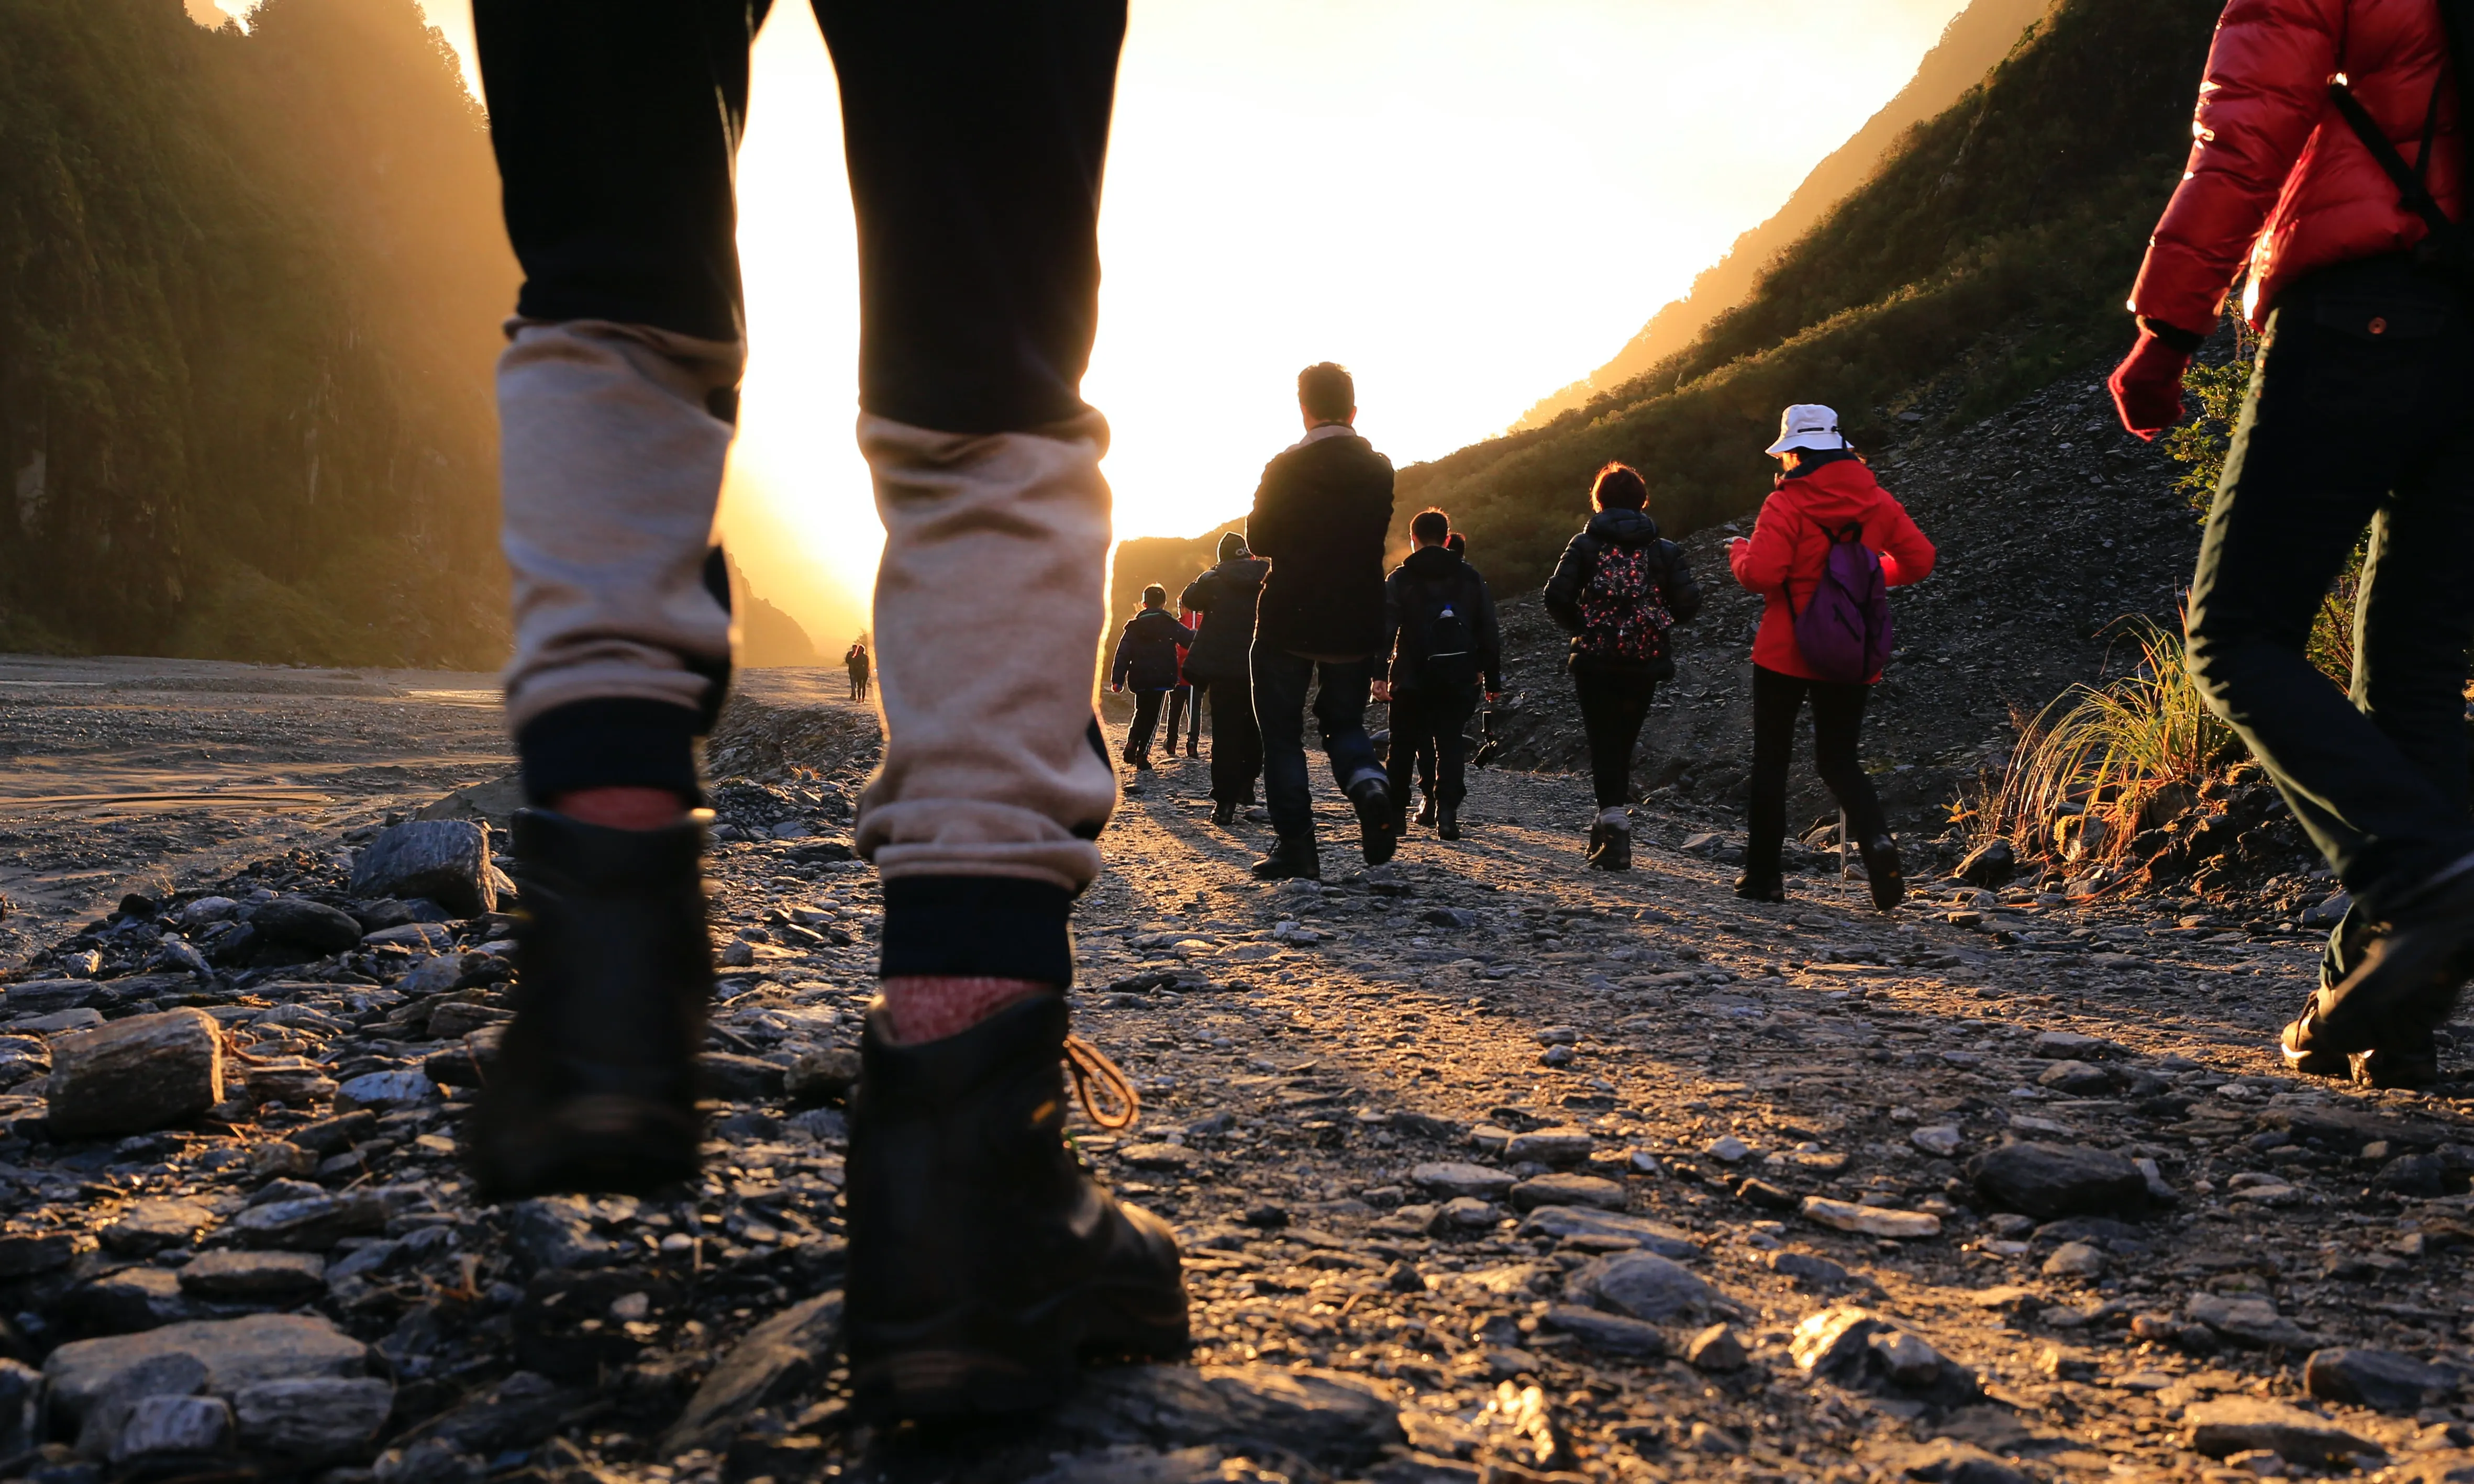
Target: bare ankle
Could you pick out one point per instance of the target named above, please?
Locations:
(930, 1007)
(624, 808)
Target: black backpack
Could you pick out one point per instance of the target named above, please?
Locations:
(1446, 655)
(2448, 245)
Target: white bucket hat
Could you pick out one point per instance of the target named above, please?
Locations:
(1807, 425)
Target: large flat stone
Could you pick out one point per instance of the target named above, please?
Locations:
(2047, 1180)
(1562, 1188)
(1456, 1178)
(2382, 1379)
(1601, 1330)
(236, 1353)
(1578, 1221)
(227, 1277)
(2251, 1322)
(1326, 1417)
(1644, 1286)
(2237, 1424)
(784, 1352)
(313, 1418)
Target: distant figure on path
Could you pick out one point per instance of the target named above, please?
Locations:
(1457, 545)
(1184, 706)
(1226, 596)
(2330, 167)
(1825, 516)
(1319, 515)
(1618, 592)
(1445, 651)
(1147, 663)
(984, 1259)
(855, 658)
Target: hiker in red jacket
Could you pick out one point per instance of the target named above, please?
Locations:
(1824, 492)
(2328, 163)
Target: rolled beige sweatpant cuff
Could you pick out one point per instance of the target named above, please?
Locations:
(611, 462)
(989, 605)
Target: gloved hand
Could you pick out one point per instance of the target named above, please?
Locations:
(2148, 385)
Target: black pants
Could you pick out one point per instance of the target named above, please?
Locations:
(2344, 430)
(1146, 715)
(1429, 724)
(974, 130)
(1281, 681)
(1236, 745)
(1837, 733)
(1185, 708)
(1613, 707)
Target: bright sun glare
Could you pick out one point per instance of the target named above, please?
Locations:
(1471, 203)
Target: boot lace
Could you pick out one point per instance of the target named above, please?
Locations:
(1114, 1105)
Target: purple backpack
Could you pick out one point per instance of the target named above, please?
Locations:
(1845, 631)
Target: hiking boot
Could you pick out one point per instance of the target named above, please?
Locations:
(1753, 888)
(1191, 751)
(1376, 833)
(2406, 983)
(1427, 813)
(1142, 762)
(594, 1091)
(1223, 814)
(1881, 869)
(1293, 855)
(2411, 1062)
(1611, 840)
(984, 1258)
(1447, 821)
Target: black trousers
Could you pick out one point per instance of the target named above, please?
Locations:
(1146, 715)
(1613, 705)
(1837, 734)
(974, 129)
(1281, 681)
(1236, 743)
(2346, 430)
(1430, 724)
(1186, 709)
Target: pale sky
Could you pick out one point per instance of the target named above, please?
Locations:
(1469, 202)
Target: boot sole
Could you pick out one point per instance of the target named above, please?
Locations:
(948, 1383)
(1376, 839)
(625, 1147)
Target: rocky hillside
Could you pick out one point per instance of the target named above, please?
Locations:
(1976, 38)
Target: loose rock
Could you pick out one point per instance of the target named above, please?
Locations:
(2234, 1425)
(2382, 1379)
(131, 1076)
(445, 860)
(2059, 1180)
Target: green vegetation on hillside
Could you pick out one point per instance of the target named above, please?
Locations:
(1992, 252)
(250, 289)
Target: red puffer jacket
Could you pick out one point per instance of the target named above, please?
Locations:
(2276, 175)
(1790, 546)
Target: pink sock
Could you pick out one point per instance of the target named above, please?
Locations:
(930, 1007)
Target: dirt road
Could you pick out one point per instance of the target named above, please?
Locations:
(1485, 1166)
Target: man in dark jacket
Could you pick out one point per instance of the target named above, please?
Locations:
(1616, 588)
(1147, 660)
(1226, 596)
(1440, 629)
(2300, 189)
(1319, 515)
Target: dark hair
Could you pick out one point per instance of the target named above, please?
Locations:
(1327, 391)
(1155, 595)
(1619, 487)
(1457, 544)
(1430, 527)
(1232, 546)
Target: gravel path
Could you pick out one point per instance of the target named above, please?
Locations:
(1487, 1167)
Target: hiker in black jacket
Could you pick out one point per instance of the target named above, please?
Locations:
(1441, 633)
(1147, 660)
(1319, 515)
(1226, 596)
(1617, 591)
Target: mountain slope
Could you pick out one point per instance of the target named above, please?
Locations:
(250, 285)
(1990, 253)
(1976, 38)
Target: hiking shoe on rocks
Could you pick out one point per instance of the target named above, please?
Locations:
(1882, 868)
(1611, 840)
(1447, 821)
(984, 1258)
(1754, 888)
(1376, 832)
(2411, 1062)
(1426, 814)
(594, 1091)
(1223, 814)
(2413, 966)
(1295, 855)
